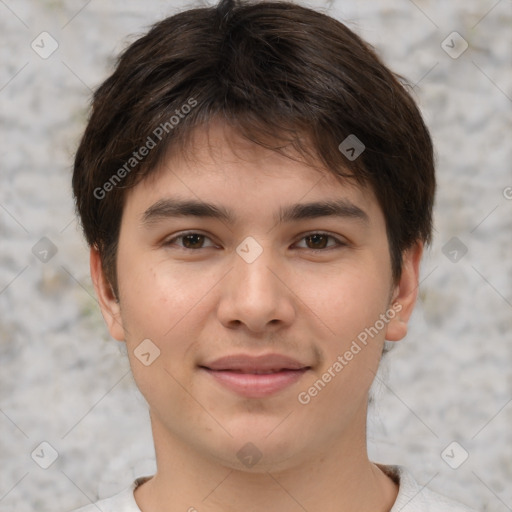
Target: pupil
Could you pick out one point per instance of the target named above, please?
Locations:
(193, 241)
(318, 238)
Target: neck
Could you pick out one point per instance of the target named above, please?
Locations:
(340, 479)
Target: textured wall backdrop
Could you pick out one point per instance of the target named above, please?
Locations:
(64, 382)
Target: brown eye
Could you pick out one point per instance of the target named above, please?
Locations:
(317, 241)
(320, 241)
(190, 241)
(194, 241)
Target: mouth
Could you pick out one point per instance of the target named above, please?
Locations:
(255, 377)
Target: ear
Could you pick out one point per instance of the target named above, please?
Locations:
(110, 308)
(405, 293)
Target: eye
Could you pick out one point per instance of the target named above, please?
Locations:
(190, 240)
(320, 241)
(314, 241)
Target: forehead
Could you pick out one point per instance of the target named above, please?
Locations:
(216, 162)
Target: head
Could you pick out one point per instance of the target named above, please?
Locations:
(253, 107)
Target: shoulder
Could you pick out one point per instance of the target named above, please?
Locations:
(121, 502)
(413, 497)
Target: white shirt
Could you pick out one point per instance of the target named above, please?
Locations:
(412, 497)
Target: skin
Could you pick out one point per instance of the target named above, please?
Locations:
(197, 300)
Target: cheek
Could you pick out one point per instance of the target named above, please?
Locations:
(156, 306)
(346, 300)
(350, 305)
(157, 300)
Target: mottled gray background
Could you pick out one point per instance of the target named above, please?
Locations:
(64, 382)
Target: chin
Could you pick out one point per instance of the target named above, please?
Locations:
(256, 451)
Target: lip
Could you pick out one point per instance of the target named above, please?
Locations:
(245, 363)
(249, 375)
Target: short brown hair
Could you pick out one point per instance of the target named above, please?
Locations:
(282, 75)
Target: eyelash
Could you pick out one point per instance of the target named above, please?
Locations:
(339, 243)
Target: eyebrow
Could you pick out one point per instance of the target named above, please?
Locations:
(169, 208)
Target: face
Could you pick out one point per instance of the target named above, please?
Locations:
(264, 292)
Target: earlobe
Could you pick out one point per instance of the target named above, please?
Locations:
(405, 293)
(110, 307)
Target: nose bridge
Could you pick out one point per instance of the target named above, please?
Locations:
(252, 271)
(255, 296)
(254, 280)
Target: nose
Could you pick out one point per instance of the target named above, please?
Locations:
(257, 295)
